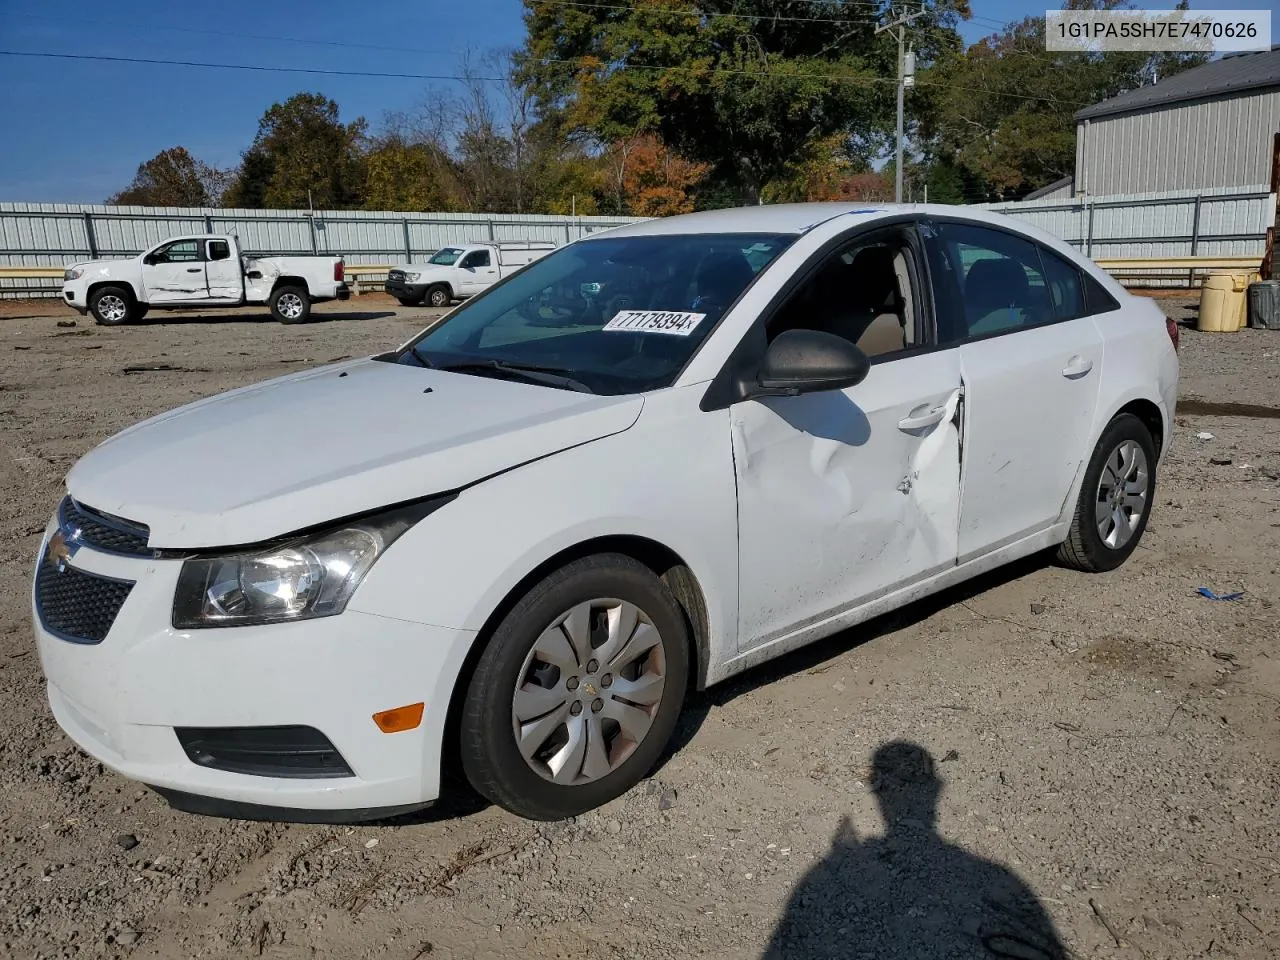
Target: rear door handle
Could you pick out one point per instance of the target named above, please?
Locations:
(1077, 367)
(918, 421)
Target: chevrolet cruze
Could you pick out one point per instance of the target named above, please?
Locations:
(649, 460)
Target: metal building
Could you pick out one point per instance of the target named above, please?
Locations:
(1216, 125)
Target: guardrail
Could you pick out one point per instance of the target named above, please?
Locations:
(368, 277)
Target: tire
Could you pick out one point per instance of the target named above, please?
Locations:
(656, 646)
(113, 306)
(1096, 544)
(439, 296)
(290, 304)
(140, 311)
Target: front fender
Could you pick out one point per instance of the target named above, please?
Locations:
(668, 479)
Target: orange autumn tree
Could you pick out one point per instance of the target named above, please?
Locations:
(650, 180)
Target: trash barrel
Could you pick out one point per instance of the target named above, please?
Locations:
(1217, 305)
(1264, 305)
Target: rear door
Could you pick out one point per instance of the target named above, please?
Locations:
(222, 271)
(1032, 362)
(175, 273)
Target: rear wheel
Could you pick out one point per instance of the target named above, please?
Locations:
(439, 296)
(577, 691)
(112, 306)
(1115, 498)
(290, 304)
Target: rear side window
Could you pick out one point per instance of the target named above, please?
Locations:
(994, 282)
(1065, 291)
(1097, 298)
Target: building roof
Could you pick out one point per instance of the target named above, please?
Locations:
(1054, 187)
(1234, 73)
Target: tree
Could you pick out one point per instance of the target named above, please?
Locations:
(174, 178)
(745, 86)
(407, 176)
(1003, 112)
(649, 180)
(303, 155)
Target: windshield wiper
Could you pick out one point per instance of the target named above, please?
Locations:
(534, 372)
(420, 357)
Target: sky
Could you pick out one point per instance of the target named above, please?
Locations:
(76, 130)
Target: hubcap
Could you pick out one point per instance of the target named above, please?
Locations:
(111, 307)
(437, 298)
(290, 305)
(1122, 494)
(588, 691)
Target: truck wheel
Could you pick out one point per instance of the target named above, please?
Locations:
(290, 304)
(439, 296)
(112, 306)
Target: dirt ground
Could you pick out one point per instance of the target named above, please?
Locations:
(1108, 746)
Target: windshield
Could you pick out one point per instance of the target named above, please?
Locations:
(617, 315)
(446, 257)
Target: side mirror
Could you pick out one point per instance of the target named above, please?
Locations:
(809, 361)
(149, 259)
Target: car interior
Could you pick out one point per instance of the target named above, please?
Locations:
(862, 294)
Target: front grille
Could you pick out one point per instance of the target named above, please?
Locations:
(292, 752)
(397, 275)
(103, 531)
(78, 606)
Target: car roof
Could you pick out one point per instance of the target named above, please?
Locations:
(798, 218)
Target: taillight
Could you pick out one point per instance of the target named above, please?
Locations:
(339, 272)
(1174, 332)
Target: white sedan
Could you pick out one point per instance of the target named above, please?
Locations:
(646, 462)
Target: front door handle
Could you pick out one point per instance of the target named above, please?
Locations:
(1077, 367)
(193, 269)
(918, 421)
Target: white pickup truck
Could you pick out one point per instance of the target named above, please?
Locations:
(201, 271)
(458, 272)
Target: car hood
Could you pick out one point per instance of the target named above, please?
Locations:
(315, 446)
(425, 269)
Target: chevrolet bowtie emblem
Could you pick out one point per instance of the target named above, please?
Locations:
(61, 549)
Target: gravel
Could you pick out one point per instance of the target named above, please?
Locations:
(1037, 761)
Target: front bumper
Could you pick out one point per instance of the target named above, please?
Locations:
(403, 290)
(73, 295)
(121, 699)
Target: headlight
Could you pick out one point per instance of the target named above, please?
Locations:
(73, 273)
(412, 276)
(299, 579)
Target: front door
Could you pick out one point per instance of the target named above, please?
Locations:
(222, 271)
(845, 495)
(478, 272)
(1032, 364)
(175, 273)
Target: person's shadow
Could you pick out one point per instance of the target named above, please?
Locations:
(910, 893)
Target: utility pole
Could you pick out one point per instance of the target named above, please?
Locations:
(906, 78)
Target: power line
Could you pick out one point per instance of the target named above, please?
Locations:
(777, 74)
(707, 14)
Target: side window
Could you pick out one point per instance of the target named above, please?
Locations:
(996, 282)
(863, 293)
(180, 251)
(219, 250)
(477, 258)
(1098, 299)
(1065, 291)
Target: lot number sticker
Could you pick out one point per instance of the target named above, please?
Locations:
(655, 321)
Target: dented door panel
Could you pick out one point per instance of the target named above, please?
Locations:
(840, 497)
(1031, 398)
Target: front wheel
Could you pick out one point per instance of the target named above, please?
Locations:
(290, 304)
(112, 306)
(578, 690)
(439, 296)
(1115, 498)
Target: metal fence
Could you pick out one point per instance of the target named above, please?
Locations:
(57, 234)
(1209, 223)
(1223, 222)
